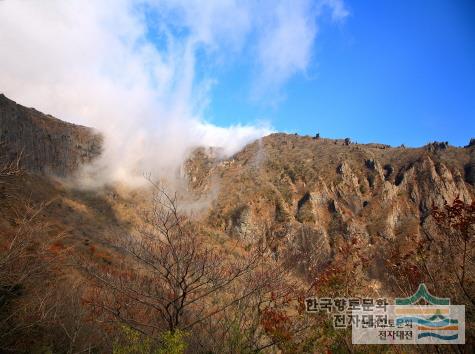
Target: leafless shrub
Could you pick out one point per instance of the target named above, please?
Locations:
(27, 260)
(457, 222)
(172, 277)
(8, 166)
(174, 271)
(71, 327)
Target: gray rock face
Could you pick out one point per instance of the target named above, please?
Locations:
(470, 172)
(312, 196)
(46, 144)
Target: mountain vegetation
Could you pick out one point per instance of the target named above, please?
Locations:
(224, 264)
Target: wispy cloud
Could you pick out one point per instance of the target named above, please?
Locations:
(129, 68)
(337, 8)
(285, 42)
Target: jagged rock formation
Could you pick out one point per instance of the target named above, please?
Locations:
(469, 168)
(309, 199)
(46, 144)
(306, 193)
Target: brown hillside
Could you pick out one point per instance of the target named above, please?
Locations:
(335, 219)
(307, 194)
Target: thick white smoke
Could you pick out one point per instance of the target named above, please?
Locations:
(128, 68)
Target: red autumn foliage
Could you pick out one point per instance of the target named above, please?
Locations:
(276, 324)
(457, 222)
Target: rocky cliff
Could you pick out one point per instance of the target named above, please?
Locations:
(305, 194)
(46, 144)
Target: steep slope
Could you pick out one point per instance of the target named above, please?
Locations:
(45, 143)
(307, 194)
(309, 198)
(304, 194)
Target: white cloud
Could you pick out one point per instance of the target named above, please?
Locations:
(337, 7)
(93, 63)
(284, 47)
(286, 40)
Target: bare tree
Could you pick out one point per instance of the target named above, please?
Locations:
(457, 222)
(26, 261)
(175, 271)
(70, 327)
(172, 277)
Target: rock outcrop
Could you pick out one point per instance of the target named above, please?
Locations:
(45, 144)
(310, 193)
(304, 196)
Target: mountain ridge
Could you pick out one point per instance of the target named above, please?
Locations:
(46, 144)
(306, 194)
(343, 219)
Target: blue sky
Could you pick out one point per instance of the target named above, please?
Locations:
(396, 72)
(159, 77)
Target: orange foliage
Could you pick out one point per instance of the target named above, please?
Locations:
(276, 324)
